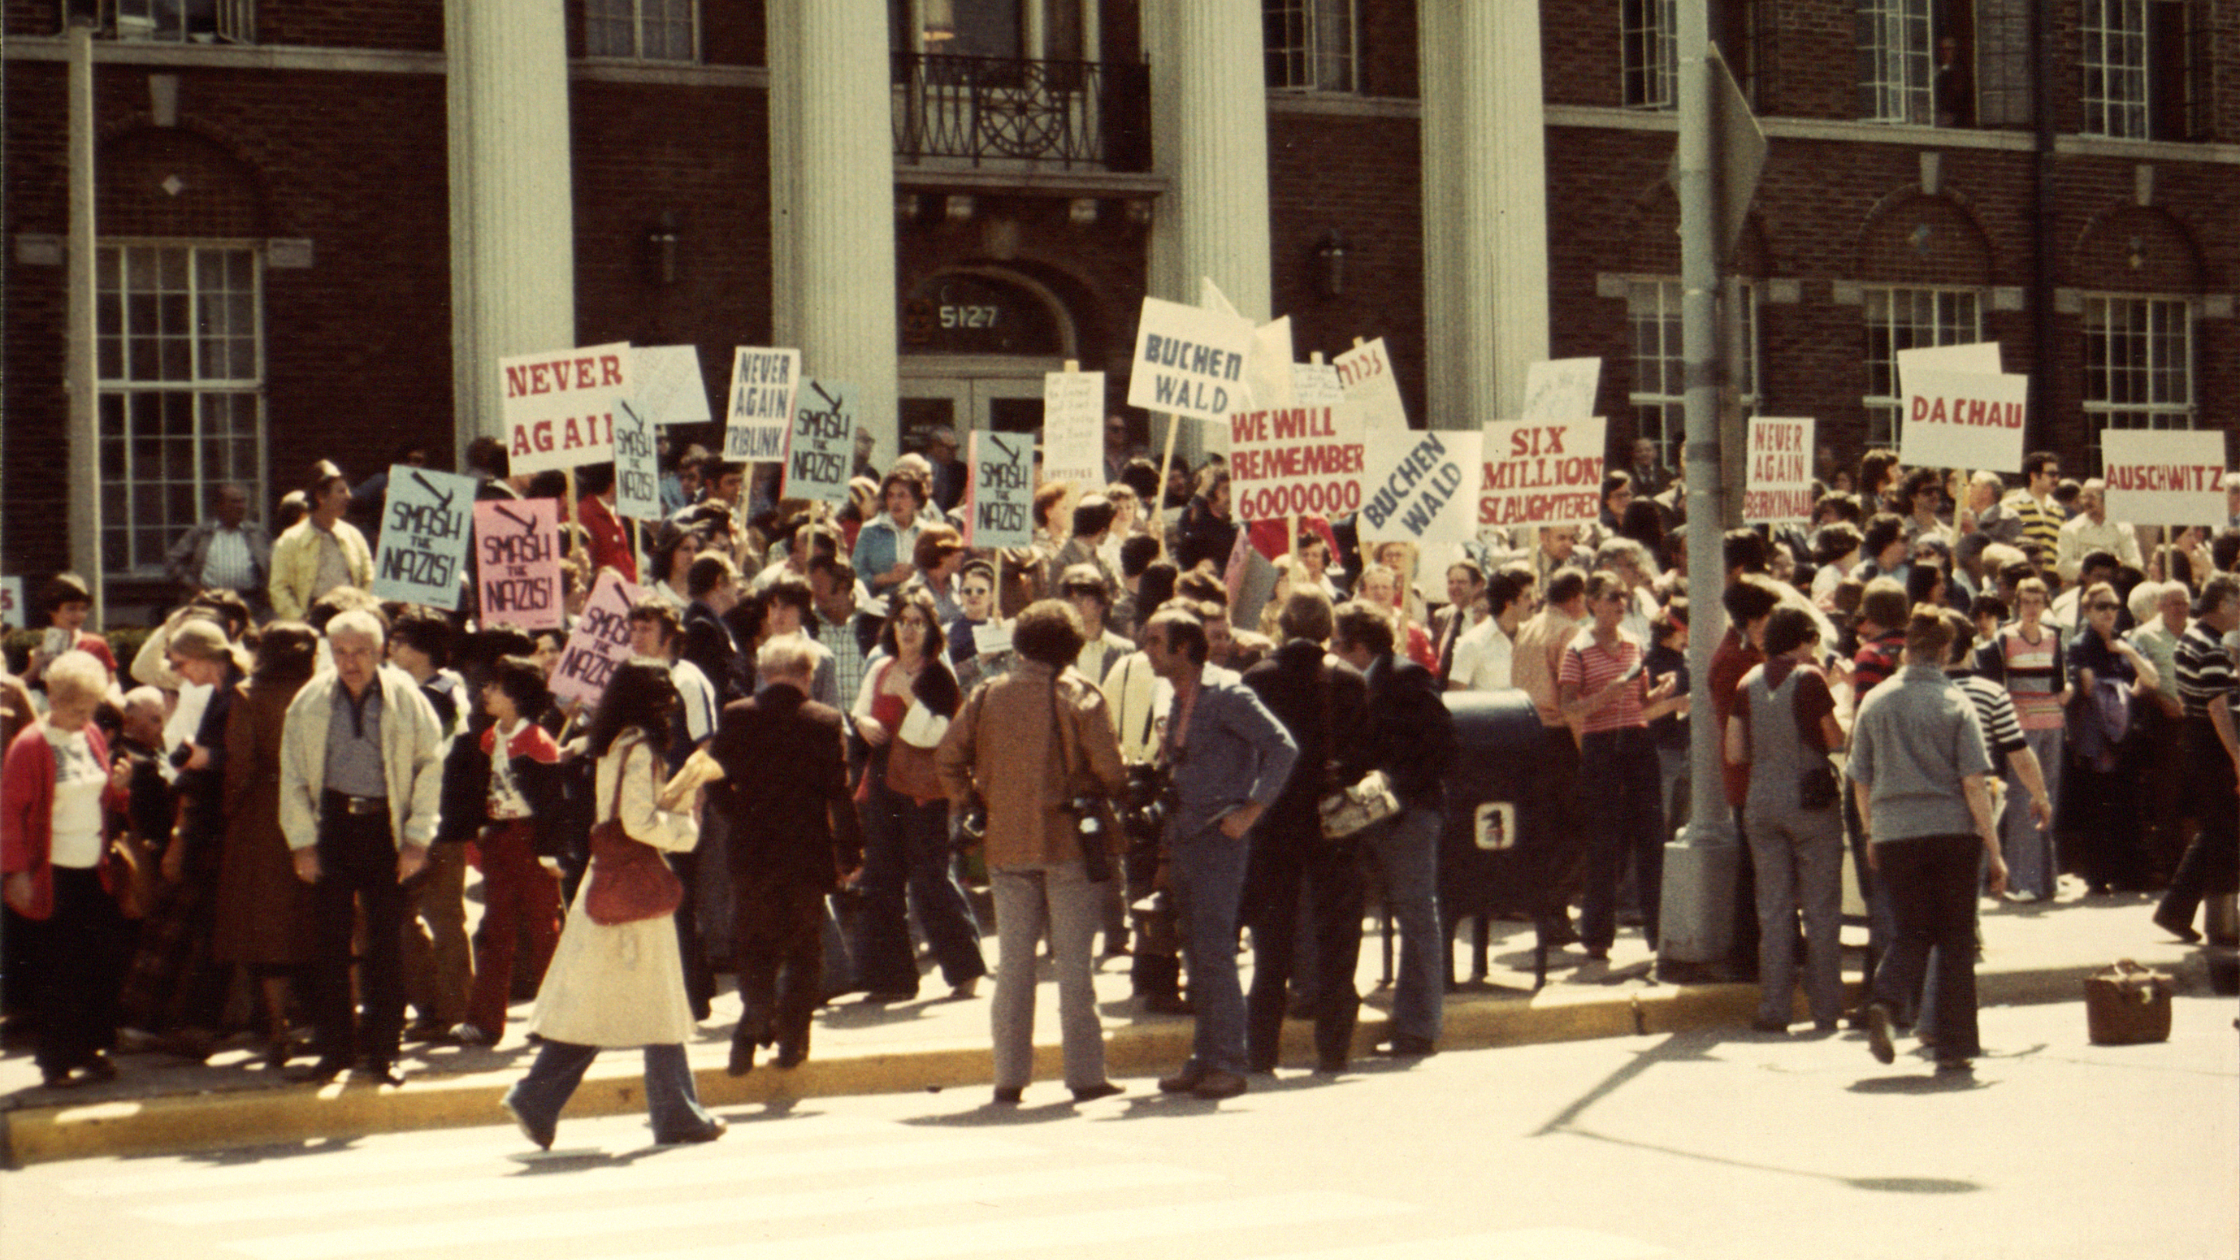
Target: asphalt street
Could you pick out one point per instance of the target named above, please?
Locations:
(1700, 1144)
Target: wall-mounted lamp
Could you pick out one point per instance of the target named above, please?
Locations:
(661, 248)
(1330, 265)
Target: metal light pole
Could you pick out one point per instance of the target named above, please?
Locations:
(81, 383)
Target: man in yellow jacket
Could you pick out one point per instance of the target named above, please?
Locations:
(320, 552)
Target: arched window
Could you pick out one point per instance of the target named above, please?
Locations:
(960, 312)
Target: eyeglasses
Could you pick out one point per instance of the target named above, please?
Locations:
(2105, 606)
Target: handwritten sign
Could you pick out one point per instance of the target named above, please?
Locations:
(1959, 419)
(821, 446)
(1189, 361)
(599, 641)
(1777, 490)
(423, 536)
(1542, 472)
(991, 638)
(1301, 461)
(1073, 427)
(557, 405)
(11, 602)
(1002, 490)
(1561, 389)
(517, 550)
(1366, 374)
(666, 386)
(637, 469)
(1316, 385)
(2164, 477)
(759, 409)
(1412, 482)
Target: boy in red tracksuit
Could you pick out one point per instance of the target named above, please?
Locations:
(520, 867)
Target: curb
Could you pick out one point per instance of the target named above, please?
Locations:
(347, 1110)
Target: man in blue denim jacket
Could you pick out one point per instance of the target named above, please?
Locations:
(1229, 758)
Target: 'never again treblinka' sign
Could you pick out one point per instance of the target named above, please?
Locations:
(759, 409)
(424, 528)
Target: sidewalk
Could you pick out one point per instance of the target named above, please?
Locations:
(2032, 953)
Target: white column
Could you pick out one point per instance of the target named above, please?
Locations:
(781, 28)
(512, 216)
(841, 239)
(1485, 207)
(1209, 101)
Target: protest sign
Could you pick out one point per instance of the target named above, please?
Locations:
(1267, 370)
(990, 638)
(557, 405)
(423, 536)
(1316, 385)
(1777, 489)
(1073, 427)
(1366, 374)
(1296, 462)
(1974, 356)
(11, 602)
(517, 550)
(1189, 361)
(1958, 419)
(759, 409)
(666, 387)
(1412, 480)
(1542, 472)
(2163, 476)
(599, 642)
(1002, 490)
(821, 446)
(637, 469)
(1561, 389)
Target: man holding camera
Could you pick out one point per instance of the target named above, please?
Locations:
(1229, 759)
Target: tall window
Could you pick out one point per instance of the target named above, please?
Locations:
(1660, 391)
(1909, 319)
(1309, 44)
(1649, 45)
(181, 342)
(2138, 365)
(641, 30)
(2146, 68)
(1894, 61)
(2002, 63)
(2115, 67)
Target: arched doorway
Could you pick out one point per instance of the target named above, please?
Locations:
(976, 342)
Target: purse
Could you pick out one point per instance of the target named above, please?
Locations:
(630, 880)
(1817, 787)
(2127, 1005)
(1358, 806)
(130, 871)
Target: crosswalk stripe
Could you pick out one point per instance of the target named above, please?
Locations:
(1548, 1243)
(499, 1190)
(731, 1211)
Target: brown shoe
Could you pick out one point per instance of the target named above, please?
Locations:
(1185, 1081)
(1217, 1085)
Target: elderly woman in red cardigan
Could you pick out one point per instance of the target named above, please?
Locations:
(55, 790)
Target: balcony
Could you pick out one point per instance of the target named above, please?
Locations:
(1021, 115)
(168, 21)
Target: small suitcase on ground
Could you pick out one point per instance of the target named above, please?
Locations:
(2127, 1005)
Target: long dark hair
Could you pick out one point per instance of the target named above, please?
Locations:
(638, 696)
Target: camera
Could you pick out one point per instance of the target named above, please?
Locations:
(970, 827)
(1089, 829)
(1145, 804)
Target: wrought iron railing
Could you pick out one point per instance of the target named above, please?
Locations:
(1068, 113)
(172, 21)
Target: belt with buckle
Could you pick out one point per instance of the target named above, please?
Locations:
(358, 805)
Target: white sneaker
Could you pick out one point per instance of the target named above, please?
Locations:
(470, 1035)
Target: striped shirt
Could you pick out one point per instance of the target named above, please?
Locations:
(1589, 666)
(2204, 670)
(2041, 522)
(2001, 731)
(2034, 676)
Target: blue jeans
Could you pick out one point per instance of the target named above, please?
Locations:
(1618, 784)
(672, 1102)
(906, 849)
(1406, 849)
(1207, 877)
(1931, 884)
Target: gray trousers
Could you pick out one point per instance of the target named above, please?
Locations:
(1029, 899)
(1798, 857)
(2033, 863)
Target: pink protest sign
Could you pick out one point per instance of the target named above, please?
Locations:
(517, 554)
(599, 642)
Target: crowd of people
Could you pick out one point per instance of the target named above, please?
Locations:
(834, 722)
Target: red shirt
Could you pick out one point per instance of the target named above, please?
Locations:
(1589, 666)
(1734, 658)
(610, 545)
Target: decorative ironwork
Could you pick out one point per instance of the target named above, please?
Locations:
(172, 21)
(1071, 113)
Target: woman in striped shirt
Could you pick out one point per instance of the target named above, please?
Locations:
(2029, 659)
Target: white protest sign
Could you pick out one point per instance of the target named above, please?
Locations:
(1963, 419)
(1073, 427)
(821, 446)
(1777, 489)
(599, 641)
(1416, 487)
(424, 536)
(1267, 370)
(991, 637)
(557, 405)
(666, 386)
(1212, 298)
(1189, 362)
(637, 469)
(1296, 462)
(759, 409)
(1974, 356)
(1316, 385)
(1561, 389)
(517, 554)
(11, 602)
(2163, 477)
(1002, 490)
(1542, 472)
(1366, 374)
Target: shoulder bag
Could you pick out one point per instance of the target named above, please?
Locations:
(1094, 822)
(630, 880)
(1359, 805)
(1817, 787)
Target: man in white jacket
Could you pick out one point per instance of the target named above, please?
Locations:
(361, 777)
